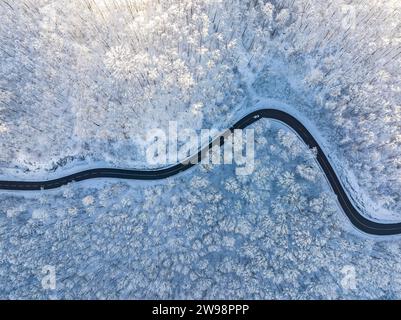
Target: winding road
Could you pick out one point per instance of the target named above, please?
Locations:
(356, 218)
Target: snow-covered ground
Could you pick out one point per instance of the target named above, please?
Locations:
(208, 233)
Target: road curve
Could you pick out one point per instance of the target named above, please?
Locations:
(356, 218)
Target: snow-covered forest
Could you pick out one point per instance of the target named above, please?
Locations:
(84, 80)
(207, 234)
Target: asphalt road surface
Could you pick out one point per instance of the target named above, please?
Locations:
(357, 219)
